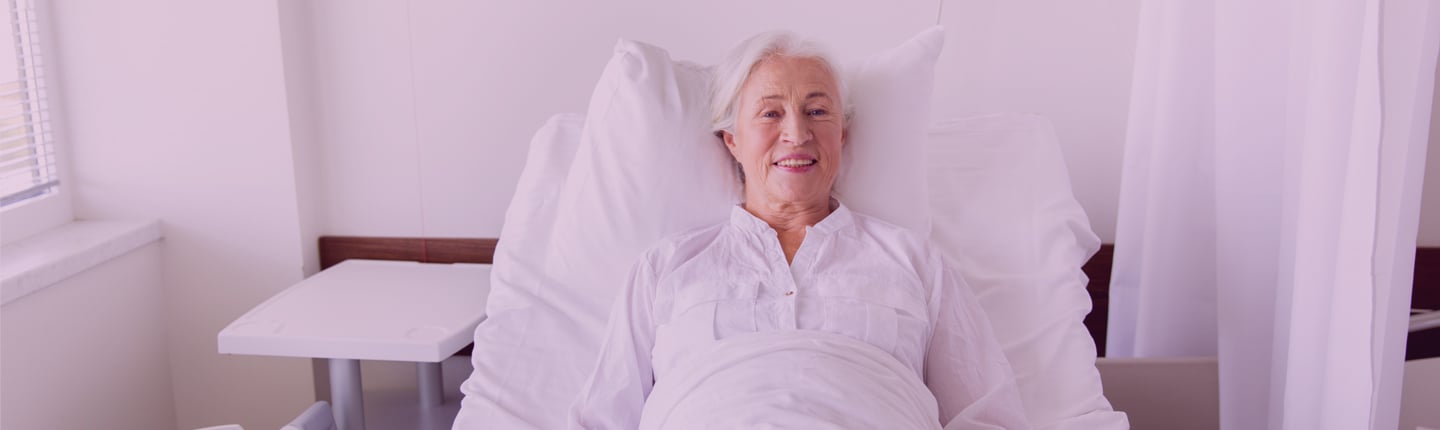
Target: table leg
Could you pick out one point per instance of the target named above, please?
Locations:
(346, 395)
(432, 385)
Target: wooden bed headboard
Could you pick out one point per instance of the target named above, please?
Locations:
(334, 249)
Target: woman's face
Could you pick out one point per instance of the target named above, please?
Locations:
(789, 129)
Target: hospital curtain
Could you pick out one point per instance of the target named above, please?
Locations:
(1270, 199)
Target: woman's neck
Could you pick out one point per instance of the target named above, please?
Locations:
(789, 219)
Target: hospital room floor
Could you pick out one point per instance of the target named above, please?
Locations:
(392, 399)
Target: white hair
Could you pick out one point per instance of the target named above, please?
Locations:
(730, 75)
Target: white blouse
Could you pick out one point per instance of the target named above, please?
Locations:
(852, 275)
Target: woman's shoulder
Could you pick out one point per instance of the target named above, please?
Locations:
(682, 246)
(901, 243)
(879, 229)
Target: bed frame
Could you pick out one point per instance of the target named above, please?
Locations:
(334, 249)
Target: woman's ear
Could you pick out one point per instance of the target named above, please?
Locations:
(729, 140)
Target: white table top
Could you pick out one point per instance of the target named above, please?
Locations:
(368, 310)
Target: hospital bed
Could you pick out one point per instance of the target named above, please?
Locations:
(991, 190)
(1174, 393)
(639, 166)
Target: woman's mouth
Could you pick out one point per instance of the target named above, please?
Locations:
(796, 165)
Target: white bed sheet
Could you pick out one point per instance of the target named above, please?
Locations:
(793, 379)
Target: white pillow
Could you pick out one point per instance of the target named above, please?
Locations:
(891, 92)
(647, 168)
(1005, 215)
(644, 167)
(526, 340)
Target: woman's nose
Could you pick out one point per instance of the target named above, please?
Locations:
(796, 130)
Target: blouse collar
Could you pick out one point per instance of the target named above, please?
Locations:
(838, 219)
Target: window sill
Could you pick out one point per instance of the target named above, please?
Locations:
(37, 262)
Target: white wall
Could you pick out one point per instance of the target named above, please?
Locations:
(176, 110)
(426, 107)
(89, 352)
(1070, 61)
(297, 44)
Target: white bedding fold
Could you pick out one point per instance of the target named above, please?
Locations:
(791, 379)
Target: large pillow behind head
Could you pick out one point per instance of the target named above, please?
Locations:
(1006, 217)
(884, 174)
(523, 342)
(647, 168)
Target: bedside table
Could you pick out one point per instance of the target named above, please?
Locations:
(368, 310)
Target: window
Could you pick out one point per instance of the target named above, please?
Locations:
(27, 159)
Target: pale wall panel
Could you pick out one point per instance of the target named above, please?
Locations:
(1070, 61)
(487, 74)
(177, 111)
(90, 351)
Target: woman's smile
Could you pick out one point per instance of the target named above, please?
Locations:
(796, 163)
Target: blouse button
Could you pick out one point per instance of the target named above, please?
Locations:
(789, 293)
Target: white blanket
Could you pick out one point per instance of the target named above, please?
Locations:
(791, 379)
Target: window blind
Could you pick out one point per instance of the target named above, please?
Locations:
(27, 158)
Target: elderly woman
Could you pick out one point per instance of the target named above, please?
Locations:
(793, 258)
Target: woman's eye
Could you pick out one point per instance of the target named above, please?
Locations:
(770, 114)
(819, 112)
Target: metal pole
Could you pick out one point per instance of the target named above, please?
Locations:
(345, 392)
(1424, 321)
(432, 385)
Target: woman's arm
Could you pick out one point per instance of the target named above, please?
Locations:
(965, 366)
(615, 394)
